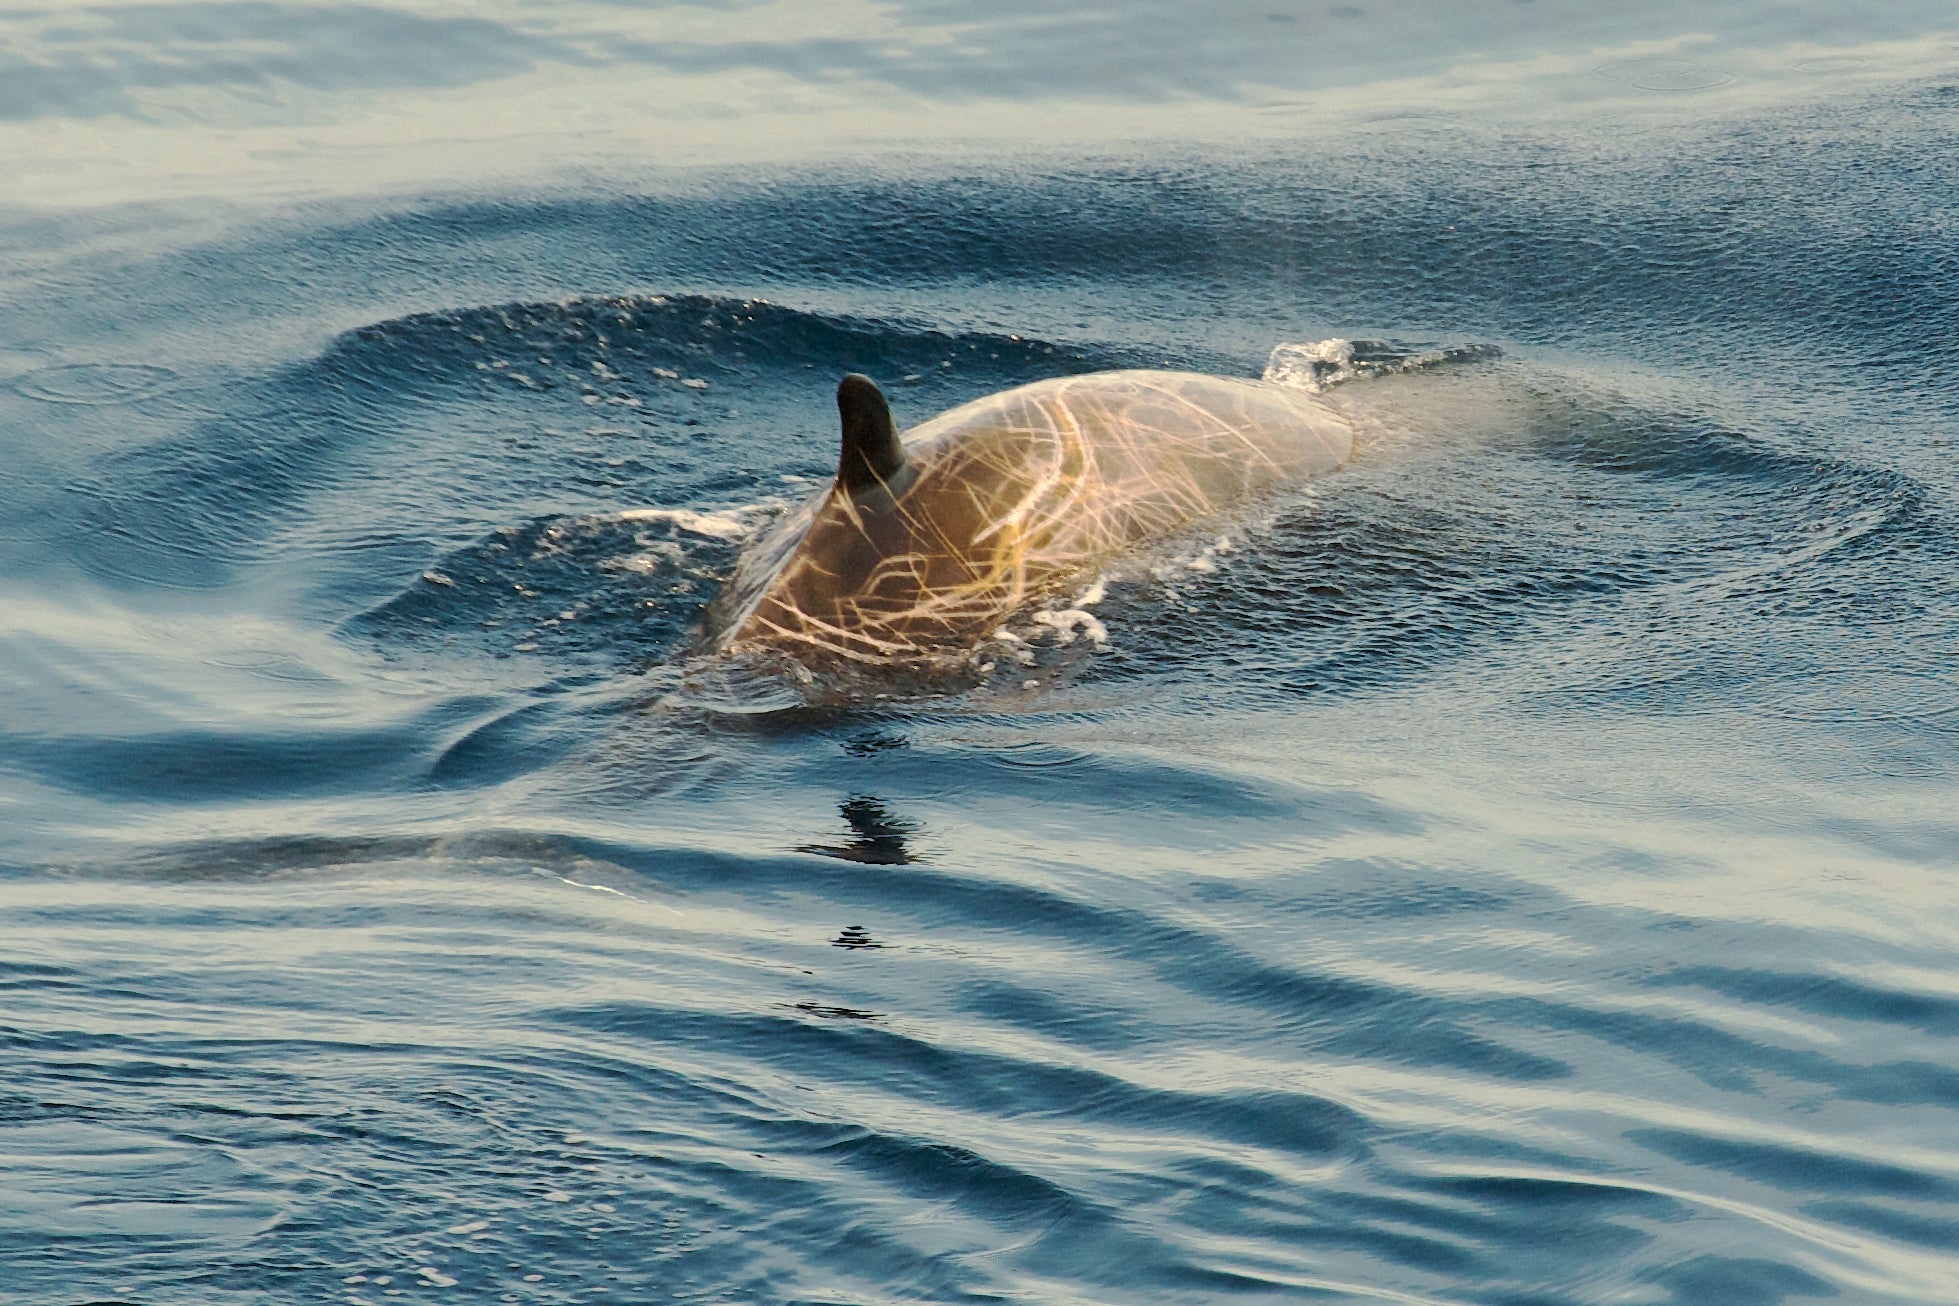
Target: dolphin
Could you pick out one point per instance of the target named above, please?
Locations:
(924, 543)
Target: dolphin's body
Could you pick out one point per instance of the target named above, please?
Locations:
(921, 547)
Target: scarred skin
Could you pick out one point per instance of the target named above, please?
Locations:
(997, 503)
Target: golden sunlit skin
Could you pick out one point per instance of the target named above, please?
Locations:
(919, 549)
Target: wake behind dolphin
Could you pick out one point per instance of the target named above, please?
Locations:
(921, 546)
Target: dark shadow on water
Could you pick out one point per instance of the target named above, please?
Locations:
(855, 937)
(878, 837)
(835, 1013)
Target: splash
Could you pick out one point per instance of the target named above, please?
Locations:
(1318, 366)
(731, 524)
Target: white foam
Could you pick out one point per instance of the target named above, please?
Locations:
(1069, 622)
(728, 524)
(1312, 366)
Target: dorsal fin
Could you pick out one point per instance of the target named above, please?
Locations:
(872, 455)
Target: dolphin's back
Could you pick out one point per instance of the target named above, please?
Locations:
(1009, 496)
(1119, 457)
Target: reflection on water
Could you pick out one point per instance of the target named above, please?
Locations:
(878, 838)
(853, 937)
(133, 102)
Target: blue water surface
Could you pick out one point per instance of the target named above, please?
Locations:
(1522, 867)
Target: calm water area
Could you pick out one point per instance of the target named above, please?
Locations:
(1521, 867)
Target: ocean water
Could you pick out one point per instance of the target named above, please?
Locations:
(1521, 867)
